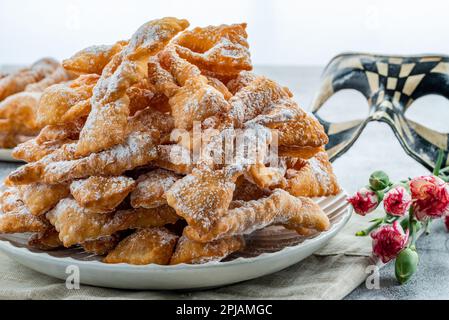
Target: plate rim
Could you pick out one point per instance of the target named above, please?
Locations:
(6, 156)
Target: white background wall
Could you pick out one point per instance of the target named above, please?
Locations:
(280, 31)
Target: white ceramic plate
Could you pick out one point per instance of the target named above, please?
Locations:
(267, 251)
(5, 155)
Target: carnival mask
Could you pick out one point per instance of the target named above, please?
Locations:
(390, 84)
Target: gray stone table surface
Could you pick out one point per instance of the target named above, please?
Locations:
(377, 148)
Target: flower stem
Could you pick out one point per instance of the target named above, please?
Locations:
(367, 231)
(412, 228)
(438, 163)
(444, 170)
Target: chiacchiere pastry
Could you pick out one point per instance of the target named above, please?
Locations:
(20, 95)
(118, 168)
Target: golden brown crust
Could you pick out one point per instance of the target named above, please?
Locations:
(40, 197)
(46, 240)
(93, 59)
(139, 149)
(202, 198)
(145, 246)
(30, 151)
(58, 100)
(106, 124)
(192, 252)
(15, 217)
(195, 100)
(151, 188)
(18, 114)
(220, 51)
(102, 245)
(314, 178)
(244, 217)
(101, 194)
(17, 81)
(310, 218)
(77, 225)
(57, 76)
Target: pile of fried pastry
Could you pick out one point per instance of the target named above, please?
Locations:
(101, 174)
(20, 93)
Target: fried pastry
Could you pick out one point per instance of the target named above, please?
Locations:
(17, 81)
(59, 99)
(30, 150)
(107, 122)
(266, 177)
(61, 132)
(161, 80)
(50, 139)
(102, 245)
(246, 190)
(164, 149)
(41, 197)
(242, 80)
(175, 158)
(139, 149)
(57, 76)
(220, 51)
(76, 224)
(45, 240)
(255, 98)
(17, 114)
(195, 100)
(21, 222)
(15, 217)
(10, 200)
(151, 188)
(302, 137)
(101, 194)
(314, 178)
(9, 141)
(140, 97)
(202, 197)
(193, 252)
(148, 119)
(245, 217)
(310, 219)
(93, 59)
(145, 246)
(219, 86)
(32, 172)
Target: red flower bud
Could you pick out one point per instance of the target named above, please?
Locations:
(397, 201)
(388, 241)
(364, 201)
(430, 197)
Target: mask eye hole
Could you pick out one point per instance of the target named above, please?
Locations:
(345, 105)
(430, 111)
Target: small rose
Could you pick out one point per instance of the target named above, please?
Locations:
(397, 201)
(430, 197)
(446, 222)
(388, 241)
(364, 201)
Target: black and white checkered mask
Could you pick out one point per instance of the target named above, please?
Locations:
(390, 84)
